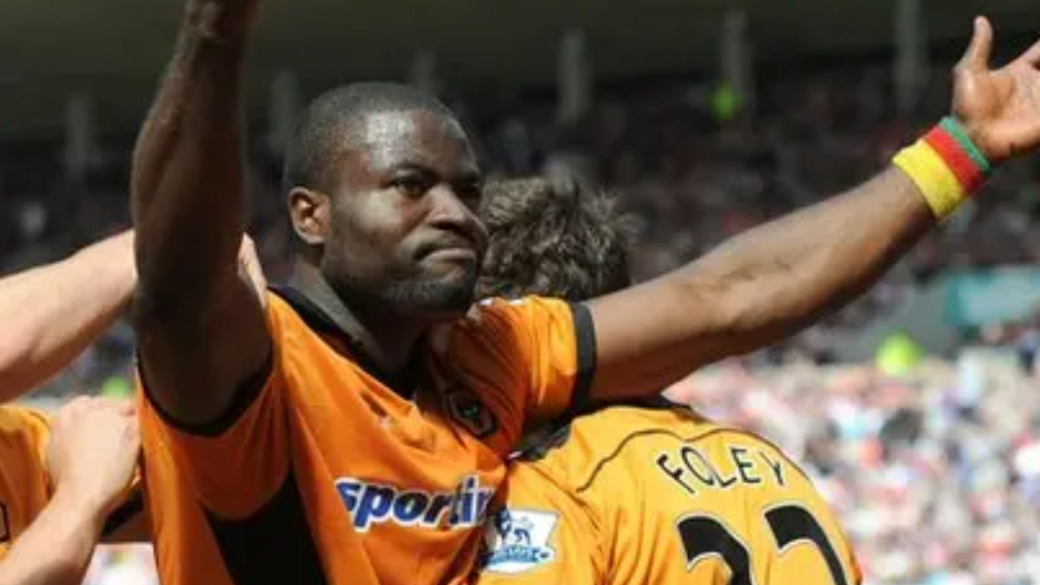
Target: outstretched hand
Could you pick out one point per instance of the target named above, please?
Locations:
(999, 108)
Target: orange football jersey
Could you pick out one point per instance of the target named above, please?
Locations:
(660, 495)
(24, 482)
(326, 475)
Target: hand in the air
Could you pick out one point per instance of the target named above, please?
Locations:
(1000, 108)
(93, 451)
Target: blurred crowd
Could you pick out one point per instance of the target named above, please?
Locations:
(935, 472)
(935, 469)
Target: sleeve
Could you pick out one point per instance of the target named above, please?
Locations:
(236, 463)
(537, 354)
(35, 426)
(540, 533)
(24, 435)
(38, 428)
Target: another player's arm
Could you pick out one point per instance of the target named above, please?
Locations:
(57, 547)
(189, 210)
(774, 280)
(49, 314)
(93, 449)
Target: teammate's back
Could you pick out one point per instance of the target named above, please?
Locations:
(682, 499)
(651, 493)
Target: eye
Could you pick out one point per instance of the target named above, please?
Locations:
(411, 185)
(470, 192)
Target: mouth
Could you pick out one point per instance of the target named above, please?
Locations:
(456, 255)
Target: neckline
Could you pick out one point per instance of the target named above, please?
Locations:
(317, 319)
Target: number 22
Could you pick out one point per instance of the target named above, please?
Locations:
(703, 536)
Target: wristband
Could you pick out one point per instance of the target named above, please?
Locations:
(945, 165)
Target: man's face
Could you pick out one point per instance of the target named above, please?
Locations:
(402, 227)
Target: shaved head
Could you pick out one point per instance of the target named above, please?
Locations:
(338, 121)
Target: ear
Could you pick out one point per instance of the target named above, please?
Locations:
(309, 213)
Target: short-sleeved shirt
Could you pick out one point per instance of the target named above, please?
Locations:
(641, 495)
(323, 474)
(24, 482)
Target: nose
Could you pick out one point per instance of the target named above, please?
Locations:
(448, 212)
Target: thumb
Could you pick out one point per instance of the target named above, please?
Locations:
(977, 57)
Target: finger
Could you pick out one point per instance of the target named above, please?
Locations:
(1032, 54)
(979, 51)
(107, 402)
(133, 434)
(81, 400)
(248, 248)
(125, 408)
(256, 275)
(76, 405)
(249, 263)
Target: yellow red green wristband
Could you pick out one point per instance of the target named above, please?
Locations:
(945, 165)
(953, 128)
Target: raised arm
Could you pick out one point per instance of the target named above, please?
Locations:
(200, 326)
(51, 313)
(774, 280)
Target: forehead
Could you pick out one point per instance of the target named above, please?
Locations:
(388, 140)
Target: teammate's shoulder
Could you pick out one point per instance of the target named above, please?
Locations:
(602, 433)
(23, 434)
(623, 421)
(15, 419)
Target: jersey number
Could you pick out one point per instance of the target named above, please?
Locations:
(703, 536)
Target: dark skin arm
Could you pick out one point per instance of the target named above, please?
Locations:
(189, 211)
(773, 281)
(757, 288)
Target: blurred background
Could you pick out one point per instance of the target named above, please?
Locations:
(917, 409)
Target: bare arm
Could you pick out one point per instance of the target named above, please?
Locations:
(93, 450)
(57, 547)
(757, 288)
(774, 280)
(200, 326)
(51, 313)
